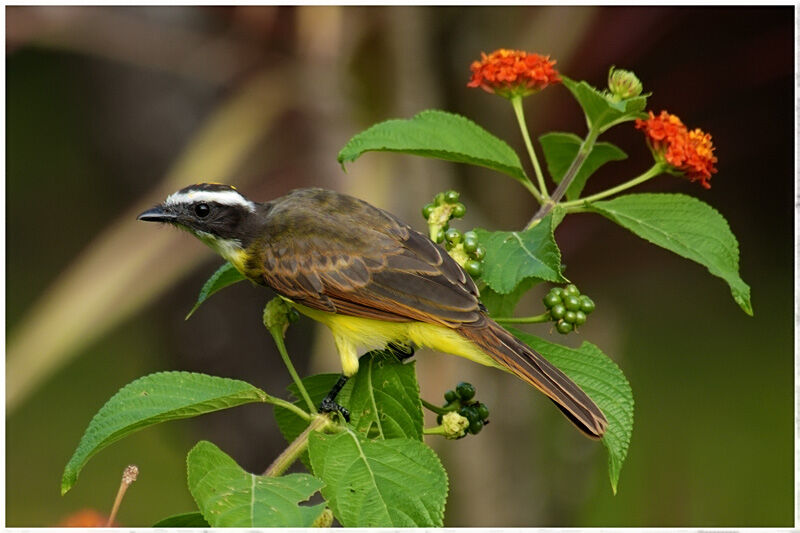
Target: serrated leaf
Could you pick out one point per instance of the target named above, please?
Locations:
(503, 305)
(606, 385)
(560, 150)
(228, 496)
(686, 226)
(224, 276)
(379, 483)
(317, 386)
(439, 135)
(194, 519)
(153, 399)
(512, 256)
(601, 113)
(384, 402)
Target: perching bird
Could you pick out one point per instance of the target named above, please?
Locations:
(370, 278)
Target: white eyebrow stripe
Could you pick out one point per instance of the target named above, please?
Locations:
(220, 197)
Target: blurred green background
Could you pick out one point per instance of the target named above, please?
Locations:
(109, 109)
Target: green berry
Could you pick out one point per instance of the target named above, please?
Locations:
(563, 327)
(587, 305)
(580, 318)
(572, 303)
(439, 236)
(550, 299)
(459, 210)
(467, 413)
(470, 235)
(483, 411)
(558, 290)
(439, 199)
(427, 210)
(465, 390)
(570, 316)
(453, 236)
(451, 196)
(474, 268)
(479, 253)
(450, 396)
(558, 311)
(470, 243)
(475, 426)
(571, 290)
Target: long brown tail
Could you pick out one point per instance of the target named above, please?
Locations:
(530, 366)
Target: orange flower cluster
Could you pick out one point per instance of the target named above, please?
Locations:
(689, 152)
(513, 72)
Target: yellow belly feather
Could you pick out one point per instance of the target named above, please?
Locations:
(354, 335)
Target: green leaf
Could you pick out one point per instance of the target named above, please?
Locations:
(604, 382)
(504, 304)
(153, 399)
(512, 256)
(379, 483)
(224, 276)
(601, 113)
(440, 135)
(685, 226)
(318, 386)
(560, 150)
(194, 519)
(384, 402)
(228, 496)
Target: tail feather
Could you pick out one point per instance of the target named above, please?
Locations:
(531, 367)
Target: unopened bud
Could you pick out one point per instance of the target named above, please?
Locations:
(277, 314)
(455, 425)
(623, 84)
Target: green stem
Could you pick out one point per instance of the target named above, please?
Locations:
(293, 452)
(538, 319)
(583, 152)
(290, 406)
(436, 409)
(277, 335)
(655, 170)
(438, 430)
(516, 103)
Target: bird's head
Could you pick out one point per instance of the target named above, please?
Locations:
(217, 214)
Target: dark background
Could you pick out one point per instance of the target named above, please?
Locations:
(110, 109)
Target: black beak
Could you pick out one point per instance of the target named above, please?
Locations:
(156, 214)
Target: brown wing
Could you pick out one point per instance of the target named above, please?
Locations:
(336, 253)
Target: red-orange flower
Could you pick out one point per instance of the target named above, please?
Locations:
(689, 152)
(513, 72)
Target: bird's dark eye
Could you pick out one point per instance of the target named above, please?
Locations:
(202, 210)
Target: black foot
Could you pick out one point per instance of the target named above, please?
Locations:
(401, 351)
(329, 404)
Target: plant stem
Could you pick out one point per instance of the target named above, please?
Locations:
(538, 319)
(296, 448)
(655, 170)
(128, 477)
(516, 103)
(290, 406)
(436, 409)
(438, 430)
(569, 176)
(277, 335)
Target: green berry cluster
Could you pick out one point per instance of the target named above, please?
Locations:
(464, 248)
(568, 307)
(461, 399)
(445, 206)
